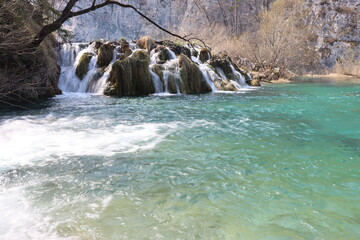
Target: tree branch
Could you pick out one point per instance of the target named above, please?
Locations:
(67, 14)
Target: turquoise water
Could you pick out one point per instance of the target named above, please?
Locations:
(279, 162)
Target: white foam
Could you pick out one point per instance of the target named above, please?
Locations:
(20, 221)
(26, 140)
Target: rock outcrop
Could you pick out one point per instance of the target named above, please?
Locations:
(204, 55)
(177, 48)
(339, 30)
(146, 43)
(191, 77)
(105, 55)
(83, 67)
(131, 76)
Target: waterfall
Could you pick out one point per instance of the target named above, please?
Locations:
(209, 75)
(240, 77)
(157, 82)
(95, 78)
(171, 54)
(168, 80)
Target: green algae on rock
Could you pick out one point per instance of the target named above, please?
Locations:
(131, 76)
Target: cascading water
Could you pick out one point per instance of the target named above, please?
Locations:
(240, 77)
(95, 79)
(70, 58)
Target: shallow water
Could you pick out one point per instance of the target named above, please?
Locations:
(279, 162)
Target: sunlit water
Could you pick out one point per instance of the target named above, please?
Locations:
(279, 162)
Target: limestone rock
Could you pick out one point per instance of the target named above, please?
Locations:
(105, 55)
(131, 76)
(146, 43)
(192, 81)
(205, 55)
(177, 48)
(83, 67)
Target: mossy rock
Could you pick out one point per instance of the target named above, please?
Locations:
(177, 48)
(83, 67)
(195, 53)
(98, 44)
(124, 45)
(105, 55)
(131, 76)
(204, 55)
(163, 53)
(146, 43)
(192, 81)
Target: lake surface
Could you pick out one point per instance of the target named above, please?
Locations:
(278, 162)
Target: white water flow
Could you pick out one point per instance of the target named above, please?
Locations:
(172, 55)
(209, 75)
(240, 77)
(95, 80)
(157, 82)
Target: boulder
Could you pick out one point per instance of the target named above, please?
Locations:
(98, 44)
(83, 67)
(124, 45)
(224, 85)
(105, 55)
(204, 55)
(146, 43)
(192, 81)
(224, 63)
(131, 76)
(177, 48)
(163, 54)
(253, 83)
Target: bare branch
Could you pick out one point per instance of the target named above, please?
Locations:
(67, 14)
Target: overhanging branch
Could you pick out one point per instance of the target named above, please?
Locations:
(67, 14)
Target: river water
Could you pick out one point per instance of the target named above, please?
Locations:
(278, 162)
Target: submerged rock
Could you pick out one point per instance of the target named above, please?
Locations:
(131, 76)
(191, 77)
(83, 67)
(105, 55)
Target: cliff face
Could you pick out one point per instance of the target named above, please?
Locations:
(113, 22)
(337, 24)
(188, 16)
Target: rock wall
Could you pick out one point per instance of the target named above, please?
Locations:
(337, 23)
(113, 22)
